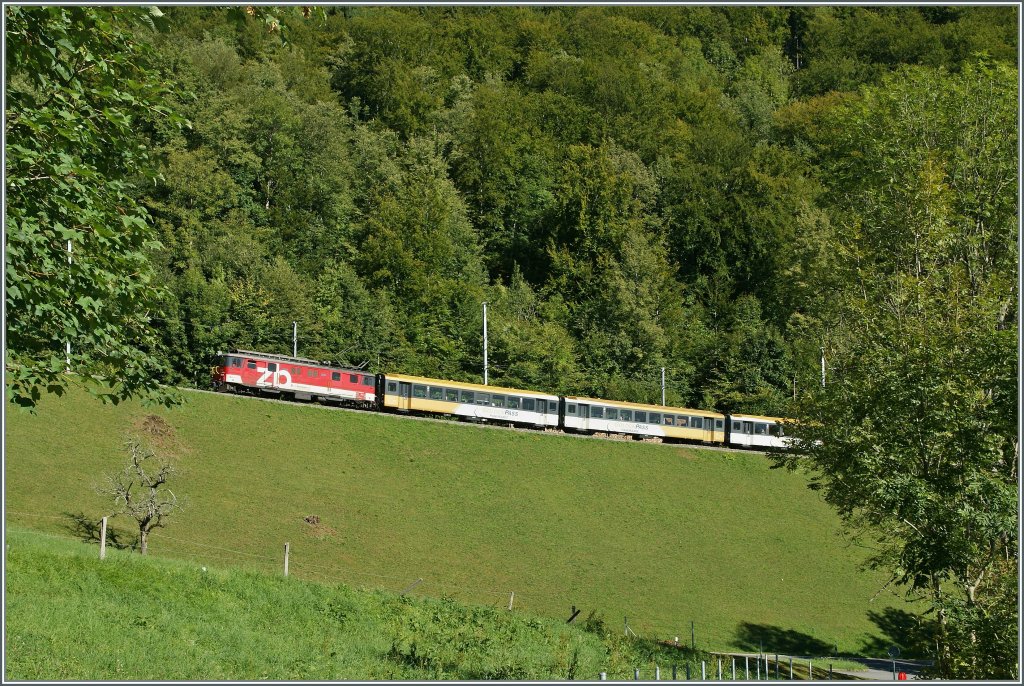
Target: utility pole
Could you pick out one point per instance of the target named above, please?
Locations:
(485, 343)
(663, 387)
(822, 366)
(67, 344)
(295, 339)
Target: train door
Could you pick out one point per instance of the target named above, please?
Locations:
(272, 375)
(404, 395)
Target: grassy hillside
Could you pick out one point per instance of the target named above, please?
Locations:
(663, 535)
(70, 616)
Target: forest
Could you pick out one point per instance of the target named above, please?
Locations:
(730, 193)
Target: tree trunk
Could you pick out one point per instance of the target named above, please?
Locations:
(143, 541)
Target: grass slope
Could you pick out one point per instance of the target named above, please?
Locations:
(70, 616)
(663, 535)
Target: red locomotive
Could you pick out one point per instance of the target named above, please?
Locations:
(296, 378)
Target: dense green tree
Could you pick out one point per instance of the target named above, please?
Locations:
(914, 437)
(81, 90)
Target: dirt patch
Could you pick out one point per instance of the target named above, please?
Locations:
(159, 433)
(318, 529)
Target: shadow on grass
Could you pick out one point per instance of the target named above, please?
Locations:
(911, 633)
(87, 529)
(753, 638)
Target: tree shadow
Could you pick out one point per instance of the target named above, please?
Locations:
(87, 529)
(754, 638)
(911, 633)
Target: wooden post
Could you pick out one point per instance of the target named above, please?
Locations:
(103, 538)
(286, 546)
(830, 671)
(512, 597)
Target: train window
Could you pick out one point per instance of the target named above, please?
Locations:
(670, 420)
(597, 412)
(697, 422)
(271, 366)
(760, 429)
(311, 372)
(451, 395)
(626, 415)
(719, 424)
(353, 378)
(368, 381)
(748, 427)
(392, 387)
(335, 376)
(436, 392)
(774, 430)
(552, 407)
(296, 371)
(737, 427)
(482, 398)
(654, 418)
(419, 391)
(682, 421)
(497, 401)
(611, 414)
(466, 396)
(641, 416)
(529, 404)
(513, 402)
(251, 364)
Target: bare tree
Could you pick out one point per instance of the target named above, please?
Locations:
(140, 489)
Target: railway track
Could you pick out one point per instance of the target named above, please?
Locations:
(469, 424)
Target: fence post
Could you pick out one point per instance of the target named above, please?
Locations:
(776, 666)
(687, 671)
(810, 670)
(703, 671)
(286, 546)
(657, 673)
(636, 675)
(830, 671)
(758, 668)
(790, 668)
(511, 597)
(103, 538)
(604, 676)
(719, 668)
(734, 668)
(693, 637)
(746, 668)
(674, 667)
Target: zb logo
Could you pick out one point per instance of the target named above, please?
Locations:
(281, 377)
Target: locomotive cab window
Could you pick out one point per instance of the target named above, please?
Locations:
(335, 376)
(597, 412)
(353, 378)
(529, 404)
(251, 364)
(419, 391)
(368, 381)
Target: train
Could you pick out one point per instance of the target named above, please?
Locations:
(298, 378)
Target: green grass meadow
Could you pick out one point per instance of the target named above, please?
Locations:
(663, 535)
